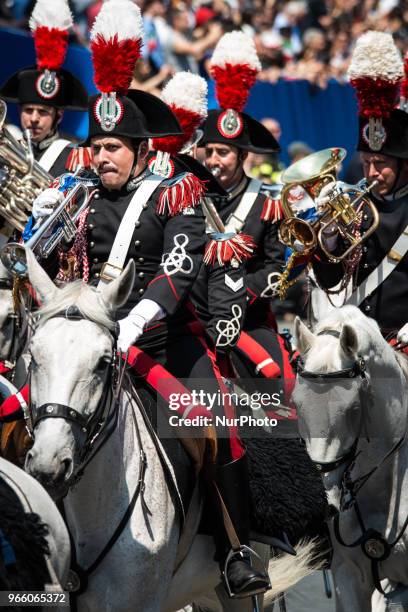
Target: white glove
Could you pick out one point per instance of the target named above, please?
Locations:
(45, 203)
(324, 196)
(132, 326)
(402, 335)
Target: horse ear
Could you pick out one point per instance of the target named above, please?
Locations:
(41, 282)
(349, 341)
(304, 337)
(117, 292)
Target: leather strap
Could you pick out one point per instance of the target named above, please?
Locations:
(114, 266)
(237, 219)
(382, 271)
(49, 157)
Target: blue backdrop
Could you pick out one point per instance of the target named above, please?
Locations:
(320, 117)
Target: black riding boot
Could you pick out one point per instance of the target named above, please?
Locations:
(240, 578)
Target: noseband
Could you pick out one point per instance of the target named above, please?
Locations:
(357, 369)
(102, 421)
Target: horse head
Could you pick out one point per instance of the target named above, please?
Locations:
(346, 364)
(73, 356)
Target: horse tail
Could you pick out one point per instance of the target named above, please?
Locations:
(287, 570)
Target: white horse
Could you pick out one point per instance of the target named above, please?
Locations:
(72, 352)
(354, 421)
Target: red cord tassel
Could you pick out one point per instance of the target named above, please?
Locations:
(180, 194)
(240, 247)
(272, 210)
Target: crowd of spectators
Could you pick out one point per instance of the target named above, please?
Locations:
(296, 39)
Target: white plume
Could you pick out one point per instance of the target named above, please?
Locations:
(376, 56)
(51, 14)
(121, 17)
(187, 90)
(235, 48)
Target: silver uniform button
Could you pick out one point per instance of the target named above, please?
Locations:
(141, 291)
(137, 224)
(137, 243)
(144, 206)
(97, 196)
(95, 260)
(141, 260)
(365, 266)
(92, 211)
(365, 217)
(367, 308)
(365, 249)
(90, 226)
(141, 274)
(91, 245)
(97, 275)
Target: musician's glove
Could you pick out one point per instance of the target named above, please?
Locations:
(402, 335)
(132, 326)
(45, 203)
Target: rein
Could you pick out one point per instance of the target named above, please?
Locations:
(98, 427)
(372, 542)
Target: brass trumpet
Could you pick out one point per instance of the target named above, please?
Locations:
(343, 210)
(60, 224)
(21, 177)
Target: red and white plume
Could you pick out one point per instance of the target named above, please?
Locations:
(376, 72)
(49, 23)
(116, 40)
(186, 94)
(404, 87)
(234, 67)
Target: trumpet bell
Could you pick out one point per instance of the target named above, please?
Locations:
(313, 166)
(13, 257)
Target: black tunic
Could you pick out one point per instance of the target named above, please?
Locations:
(167, 251)
(268, 257)
(388, 304)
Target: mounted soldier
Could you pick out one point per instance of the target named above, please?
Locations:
(44, 91)
(379, 283)
(229, 134)
(137, 215)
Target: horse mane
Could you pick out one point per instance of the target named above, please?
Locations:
(86, 298)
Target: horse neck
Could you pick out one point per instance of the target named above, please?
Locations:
(96, 504)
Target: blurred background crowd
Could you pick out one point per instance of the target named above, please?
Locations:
(299, 39)
(309, 40)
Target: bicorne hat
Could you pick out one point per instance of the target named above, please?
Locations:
(234, 67)
(47, 83)
(116, 40)
(376, 73)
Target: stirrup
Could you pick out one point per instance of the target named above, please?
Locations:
(256, 591)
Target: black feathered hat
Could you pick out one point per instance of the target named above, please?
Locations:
(234, 67)
(116, 40)
(239, 130)
(47, 83)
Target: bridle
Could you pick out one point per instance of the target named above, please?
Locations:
(98, 426)
(372, 542)
(18, 327)
(357, 369)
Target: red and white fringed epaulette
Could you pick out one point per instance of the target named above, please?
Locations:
(183, 191)
(79, 156)
(223, 250)
(272, 210)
